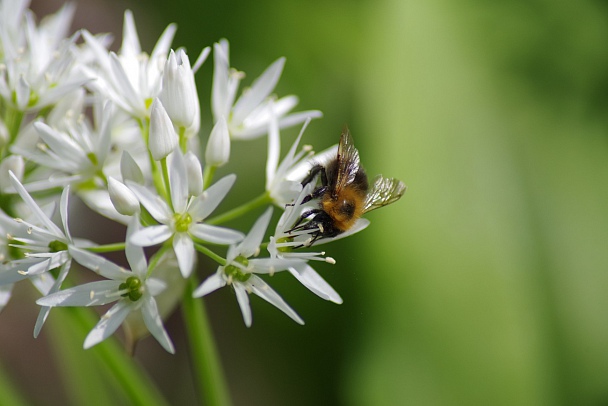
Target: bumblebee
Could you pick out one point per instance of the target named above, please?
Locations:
(345, 194)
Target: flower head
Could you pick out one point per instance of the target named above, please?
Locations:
(131, 290)
(240, 272)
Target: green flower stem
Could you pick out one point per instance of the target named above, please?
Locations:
(163, 163)
(157, 256)
(208, 175)
(119, 246)
(183, 141)
(10, 395)
(208, 370)
(138, 386)
(261, 200)
(210, 254)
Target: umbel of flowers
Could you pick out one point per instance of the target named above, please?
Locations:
(121, 131)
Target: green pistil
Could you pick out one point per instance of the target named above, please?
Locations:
(182, 222)
(235, 272)
(133, 287)
(286, 248)
(57, 246)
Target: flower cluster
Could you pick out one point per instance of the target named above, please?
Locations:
(121, 132)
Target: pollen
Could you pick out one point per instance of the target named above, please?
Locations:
(330, 260)
(22, 272)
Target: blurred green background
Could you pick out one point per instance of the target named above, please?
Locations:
(486, 284)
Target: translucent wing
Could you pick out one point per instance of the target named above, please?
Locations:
(348, 162)
(383, 191)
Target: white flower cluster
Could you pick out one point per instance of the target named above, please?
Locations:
(121, 132)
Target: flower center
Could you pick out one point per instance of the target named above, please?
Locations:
(57, 246)
(235, 272)
(182, 222)
(133, 288)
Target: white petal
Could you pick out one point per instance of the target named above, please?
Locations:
(252, 242)
(201, 59)
(155, 324)
(178, 178)
(313, 281)
(151, 235)
(89, 294)
(264, 291)
(23, 93)
(130, 40)
(152, 202)
(33, 206)
(63, 210)
(242, 298)
(98, 264)
(260, 89)
(204, 204)
(210, 284)
(185, 253)
(134, 253)
(108, 324)
(129, 169)
(274, 149)
(44, 311)
(215, 234)
(126, 88)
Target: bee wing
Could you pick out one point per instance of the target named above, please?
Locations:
(384, 191)
(348, 161)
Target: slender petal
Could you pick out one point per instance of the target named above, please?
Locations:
(264, 291)
(152, 202)
(98, 264)
(89, 294)
(243, 298)
(251, 243)
(151, 235)
(215, 234)
(313, 281)
(155, 324)
(185, 253)
(108, 324)
(206, 203)
(178, 177)
(212, 283)
(135, 254)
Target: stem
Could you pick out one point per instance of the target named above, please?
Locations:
(208, 370)
(137, 385)
(183, 141)
(163, 164)
(157, 256)
(208, 175)
(201, 248)
(119, 246)
(261, 200)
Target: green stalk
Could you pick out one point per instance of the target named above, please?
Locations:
(138, 386)
(208, 175)
(261, 200)
(163, 163)
(210, 254)
(119, 246)
(208, 370)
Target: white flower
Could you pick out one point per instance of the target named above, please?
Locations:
(13, 163)
(131, 79)
(131, 290)
(163, 138)
(249, 116)
(182, 219)
(45, 246)
(240, 271)
(79, 152)
(178, 92)
(39, 63)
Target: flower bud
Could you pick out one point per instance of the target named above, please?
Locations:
(178, 92)
(163, 139)
(129, 169)
(218, 145)
(122, 198)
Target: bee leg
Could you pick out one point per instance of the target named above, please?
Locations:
(304, 215)
(313, 172)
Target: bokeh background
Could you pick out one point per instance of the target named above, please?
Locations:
(486, 284)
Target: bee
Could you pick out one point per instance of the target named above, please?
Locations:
(344, 194)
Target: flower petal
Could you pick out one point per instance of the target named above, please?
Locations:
(98, 264)
(215, 234)
(152, 202)
(243, 298)
(210, 284)
(184, 252)
(252, 242)
(315, 283)
(151, 235)
(154, 323)
(263, 290)
(134, 253)
(204, 204)
(89, 294)
(178, 178)
(108, 324)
